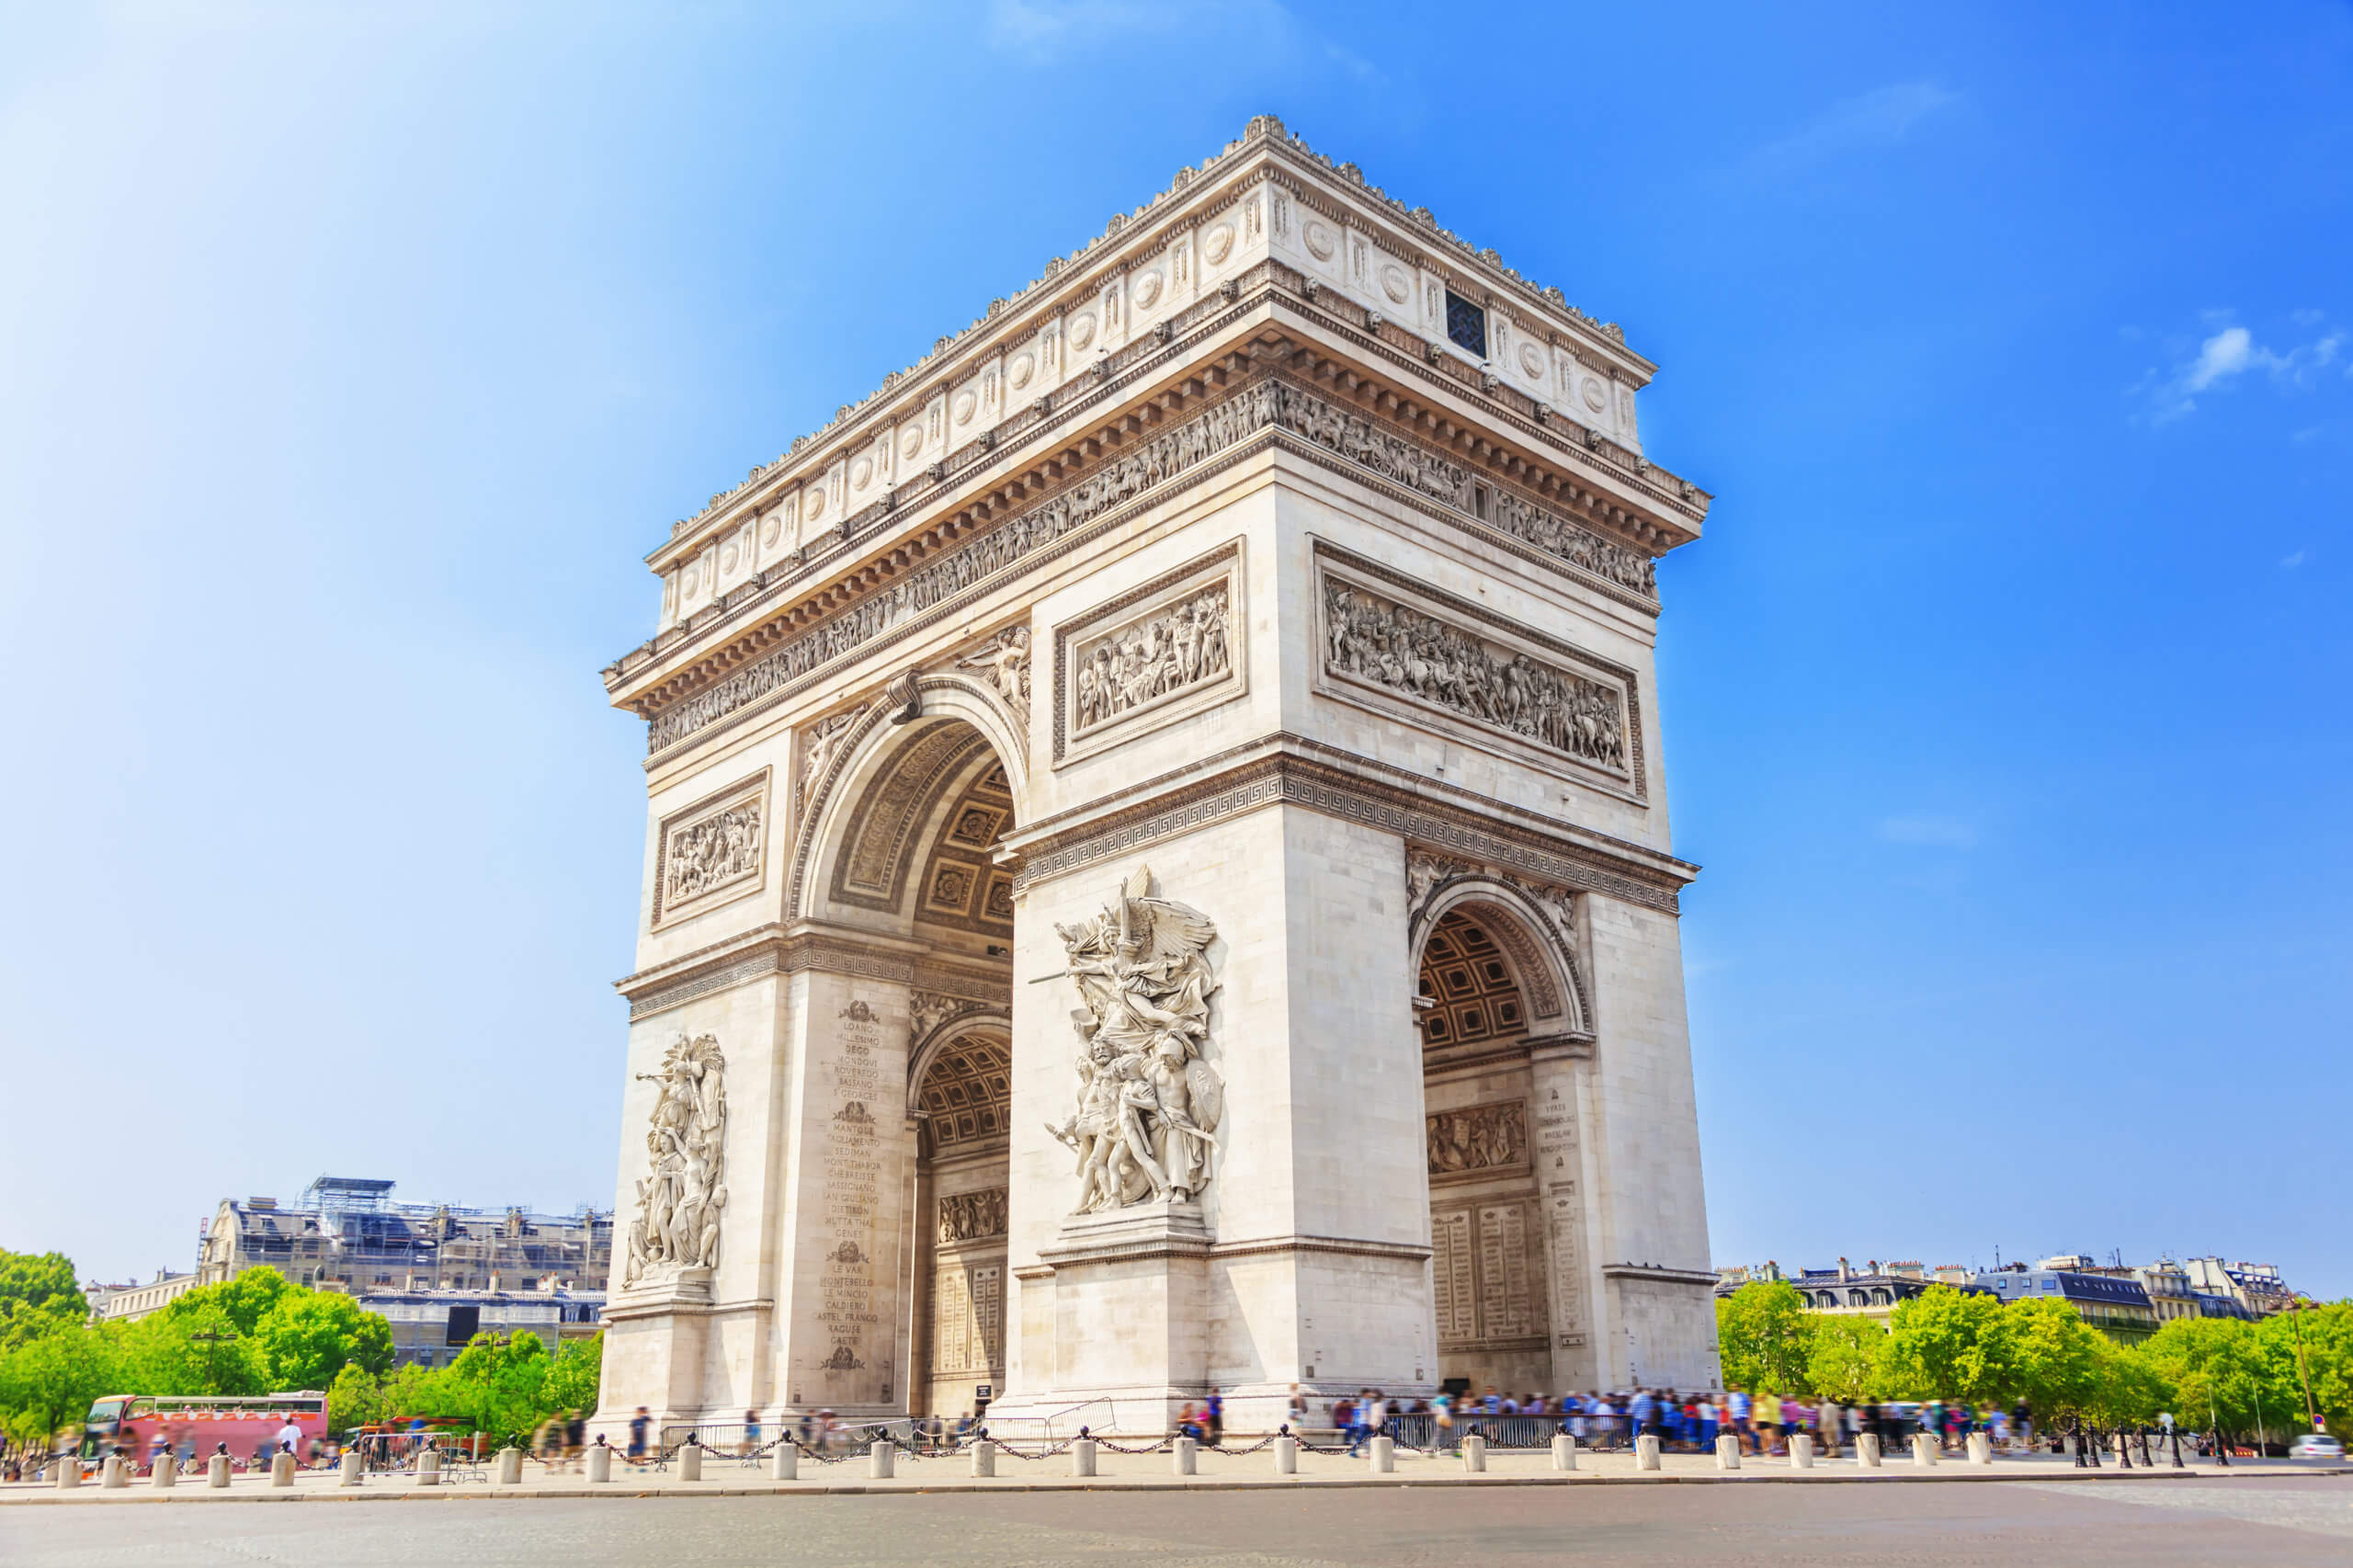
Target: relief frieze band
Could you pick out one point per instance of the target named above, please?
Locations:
(1391, 645)
(1215, 433)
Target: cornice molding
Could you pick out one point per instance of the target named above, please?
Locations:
(1266, 151)
(1283, 775)
(1351, 427)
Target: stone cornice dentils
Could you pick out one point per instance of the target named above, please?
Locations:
(1264, 149)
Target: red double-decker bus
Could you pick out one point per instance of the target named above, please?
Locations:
(195, 1425)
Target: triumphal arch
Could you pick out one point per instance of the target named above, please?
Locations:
(1156, 872)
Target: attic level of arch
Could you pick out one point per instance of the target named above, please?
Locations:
(1320, 188)
(1588, 485)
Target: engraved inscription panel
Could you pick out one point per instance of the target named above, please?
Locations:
(851, 1206)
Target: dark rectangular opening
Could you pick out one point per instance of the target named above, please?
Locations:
(464, 1323)
(1466, 324)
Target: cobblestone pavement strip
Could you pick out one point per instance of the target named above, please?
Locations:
(2273, 1521)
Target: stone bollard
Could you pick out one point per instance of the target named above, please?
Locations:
(983, 1459)
(1564, 1452)
(1646, 1451)
(1286, 1455)
(1727, 1453)
(1082, 1457)
(69, 1470)
(1867, 1449)
(600, 1463)
(350, 1466)
(1981, 1447)
(510, 1467)
(1924, 1449)
(114, 1475)
(1184, 1456)
(784, 1461)
(1801, 1451)
(881, 1459)
(428, 1468)
(1474, 1453)
(216, 1473)
(281, 1469)
(1384, 1456)
(691, 1460)
(168, 1472)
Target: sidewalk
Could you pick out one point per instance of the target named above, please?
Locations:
(728, 1477)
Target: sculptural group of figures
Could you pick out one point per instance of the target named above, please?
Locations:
(1409, 652)
(712, 852)
(1165, 653)
(679, 1204)
(1148, 1105)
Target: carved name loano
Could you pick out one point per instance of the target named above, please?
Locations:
(679, 1200)
(1256, 408)
(1394, 646)
(710, 854)
(1155, 656)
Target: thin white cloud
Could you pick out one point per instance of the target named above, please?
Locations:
(1937, 832)
(2226, 355)
(2291, 561)
(1878, 119)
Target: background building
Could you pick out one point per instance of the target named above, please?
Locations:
(1874, 1290)
(2256, 1287)
(347, 1234)
(429, 1327)
(122, 1303)
(2111, 1300)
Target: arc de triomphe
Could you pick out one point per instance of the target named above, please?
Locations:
(1156, 872)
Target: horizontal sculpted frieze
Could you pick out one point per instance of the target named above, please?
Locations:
(1372, 639)
(1257, 407)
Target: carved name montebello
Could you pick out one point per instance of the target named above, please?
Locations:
(1264, 405)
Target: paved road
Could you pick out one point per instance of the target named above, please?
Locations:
(2252, 1521)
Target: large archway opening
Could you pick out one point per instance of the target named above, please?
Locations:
(1484, 994)
(899, 867)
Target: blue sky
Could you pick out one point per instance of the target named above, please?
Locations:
(351, 358)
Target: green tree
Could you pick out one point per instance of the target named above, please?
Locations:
(1763, 1337)
(2213, 1369)
(2060, 1361)
(247, 1299)
(37, 1295)
(495, 1383)
(309, 1336)
(1954, 1344)
(197, 1351)
(2325, 1334)
(1843, 1357)
(572, 1382)
(49, 1381)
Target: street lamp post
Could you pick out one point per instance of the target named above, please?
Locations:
(2296, 1322)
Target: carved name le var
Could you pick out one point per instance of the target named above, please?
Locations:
(1257, 407)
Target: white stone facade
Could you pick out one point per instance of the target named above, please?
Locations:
(1210, 591)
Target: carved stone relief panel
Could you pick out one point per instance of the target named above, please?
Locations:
(1480, 1139)
(972, 1216)
(1391, 647)
(1158, 654)
(714, 851)
(683, 1196)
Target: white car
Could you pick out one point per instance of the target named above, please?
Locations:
(2315, 1446)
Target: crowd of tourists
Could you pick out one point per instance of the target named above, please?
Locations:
(1763, 1424)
